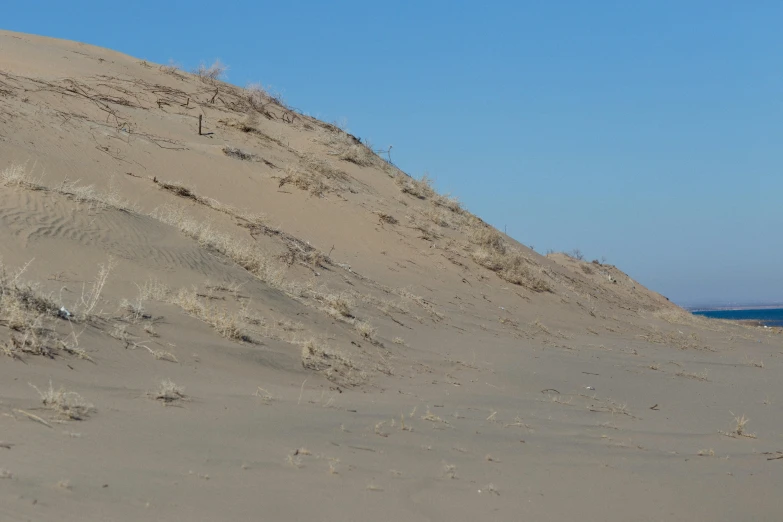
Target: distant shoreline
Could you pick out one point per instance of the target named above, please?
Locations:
(733, 308)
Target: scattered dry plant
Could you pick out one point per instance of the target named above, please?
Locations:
(739, 428)
(245, 254)
(227, 324)
(67, 405)
(449, 471)
(168, 392)
(91, 297)
(239, 154)
(211, 73)
(29, 314)
(17, 175)
(365, 329)
(418, 188)
(304, 180)
(491, 251)
(317, 356)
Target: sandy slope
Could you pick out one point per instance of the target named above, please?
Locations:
(346, 349)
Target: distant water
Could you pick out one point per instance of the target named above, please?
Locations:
(768, 316)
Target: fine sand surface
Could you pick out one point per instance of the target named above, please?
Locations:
(269, 322)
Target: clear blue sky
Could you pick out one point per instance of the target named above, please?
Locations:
(649, 132)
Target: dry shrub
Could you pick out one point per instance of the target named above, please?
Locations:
(172, 68)
(259, 98)
(28, 313)
(68, 405)
(365, 329)
(211, 73)
(168, 392)
(337, 304)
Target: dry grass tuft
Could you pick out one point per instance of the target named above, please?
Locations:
(245, 254)
(739, 428)
(68, 405)
(358, 154)
(449, 471)
(491, 489)
(304, 180)
(491, 251)
(418, 188)
(365, 329)
(387, 218)
(168, 392)
(228, 324)
(17, 175)
(335, 366)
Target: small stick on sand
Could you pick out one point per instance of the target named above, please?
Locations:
(301, 391)
(36, 418)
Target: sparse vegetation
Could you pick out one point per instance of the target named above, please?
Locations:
(739, 428)
(418, 188)
(28, 313)
(225, 323)
(168, 392)
(17, 175)
(491, 251)
(449, 471)
(701, 376)
(239, 154)
(304, 180)
(317, 356)
(67, 405)
(365, 329)
(211, 73)
(245, 254)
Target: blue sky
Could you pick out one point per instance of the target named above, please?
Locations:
(648, 132)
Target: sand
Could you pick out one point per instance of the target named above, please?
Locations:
(339, 342)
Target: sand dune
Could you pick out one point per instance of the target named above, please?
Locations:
(268, 321)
